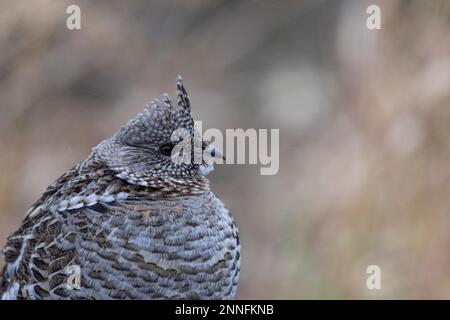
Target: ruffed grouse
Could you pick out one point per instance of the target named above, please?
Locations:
(129, 222)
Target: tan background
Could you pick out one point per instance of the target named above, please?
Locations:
(364, 120)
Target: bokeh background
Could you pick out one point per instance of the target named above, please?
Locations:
(364, 119)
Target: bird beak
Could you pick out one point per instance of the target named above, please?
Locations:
(215, 152)
(218, 153)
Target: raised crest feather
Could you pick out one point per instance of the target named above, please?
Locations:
(183, 99)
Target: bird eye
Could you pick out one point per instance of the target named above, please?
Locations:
(166, 149)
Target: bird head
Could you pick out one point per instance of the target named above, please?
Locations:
(160, 147)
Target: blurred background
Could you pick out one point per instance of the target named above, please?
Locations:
(364, 119)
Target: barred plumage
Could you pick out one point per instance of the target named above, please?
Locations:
(130, 221)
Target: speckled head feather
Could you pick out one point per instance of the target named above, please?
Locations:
(136, 153)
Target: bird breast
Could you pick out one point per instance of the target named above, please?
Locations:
(185, 247)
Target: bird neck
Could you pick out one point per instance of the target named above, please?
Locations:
(147, 186)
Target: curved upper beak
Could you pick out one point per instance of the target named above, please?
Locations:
(215, 152)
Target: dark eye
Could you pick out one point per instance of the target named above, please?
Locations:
(166, 149)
